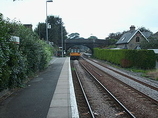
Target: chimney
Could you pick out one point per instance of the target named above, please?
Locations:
(132, 28)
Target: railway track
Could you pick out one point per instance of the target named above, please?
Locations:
(125, 75)
(85, 108)
(85, 96)
(121, 112)
(149, 102)
(130, 78)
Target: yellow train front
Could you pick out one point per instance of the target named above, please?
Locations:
(75, 53)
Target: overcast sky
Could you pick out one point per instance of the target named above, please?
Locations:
(86, 17)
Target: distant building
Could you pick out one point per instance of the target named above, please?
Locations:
(132, 39)
(28, 26)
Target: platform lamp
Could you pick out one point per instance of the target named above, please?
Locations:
(47, 20)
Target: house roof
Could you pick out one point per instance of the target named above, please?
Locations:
(126, 38)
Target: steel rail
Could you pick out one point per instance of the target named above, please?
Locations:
(123, 74)
(148, 97)
(112, 96)
(85, 96)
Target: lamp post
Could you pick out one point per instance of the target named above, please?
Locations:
(62, 37)
(47, 20)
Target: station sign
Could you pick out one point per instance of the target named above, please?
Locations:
(15, 39)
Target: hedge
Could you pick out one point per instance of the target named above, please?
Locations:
(18, 62)
(144, 59)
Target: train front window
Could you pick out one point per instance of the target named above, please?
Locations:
(75, 50)
(72, 50)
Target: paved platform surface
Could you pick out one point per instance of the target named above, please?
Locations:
(49, 95)
(63, 104)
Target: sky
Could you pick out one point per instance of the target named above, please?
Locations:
(87, 17)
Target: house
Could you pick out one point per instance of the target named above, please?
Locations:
(132, 39)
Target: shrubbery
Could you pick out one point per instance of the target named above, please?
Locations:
(144, 59)
(17, 62)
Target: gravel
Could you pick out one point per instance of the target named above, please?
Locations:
(148, 91)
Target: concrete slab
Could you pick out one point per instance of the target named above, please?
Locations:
(58, 112)
(62, 91)
(61, 96)
(59, 103)
(63, 104)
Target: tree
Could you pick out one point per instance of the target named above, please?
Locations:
(143, 29)
(112, 41)
(41, 30)
(55, 33)
(92, 37)
(152, 44)
(74, 36)
(116, 36)
(154, 36)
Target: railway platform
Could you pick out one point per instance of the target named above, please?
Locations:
(63, 104)
(49, 95)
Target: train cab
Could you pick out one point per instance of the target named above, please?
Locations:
(75, 53)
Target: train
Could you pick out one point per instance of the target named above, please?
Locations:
(75, 53)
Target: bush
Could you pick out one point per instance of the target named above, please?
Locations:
(37, 52)
(17, 62)
(4, 55)
(18, 65)
(144, 59)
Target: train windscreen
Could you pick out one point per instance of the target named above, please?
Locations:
(75, 50)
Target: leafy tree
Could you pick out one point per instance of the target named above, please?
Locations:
(92, 37)
(152, 44)
(143, 29)
(154, 36)
(112, 41)
(55, 33)
(41, 30)
(74, 36)
(113, 38)
(116, 36)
